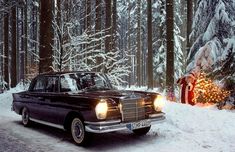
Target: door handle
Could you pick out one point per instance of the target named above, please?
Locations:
(41, 98)
(26, 96)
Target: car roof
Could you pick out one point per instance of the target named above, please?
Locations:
(65, 72)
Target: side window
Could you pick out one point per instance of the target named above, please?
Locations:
(39, 85)
(87, 81)
(67, 84)
(51, 84)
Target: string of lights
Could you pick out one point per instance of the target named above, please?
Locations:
(207, 91)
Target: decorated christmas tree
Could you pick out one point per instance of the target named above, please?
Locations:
(207, 91)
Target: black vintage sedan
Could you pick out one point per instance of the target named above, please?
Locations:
(85, 103)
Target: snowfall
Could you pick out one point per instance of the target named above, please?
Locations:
(186, 129)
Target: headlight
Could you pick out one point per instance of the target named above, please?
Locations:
(101, 109)
(159, 103)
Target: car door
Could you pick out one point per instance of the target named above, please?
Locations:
(43, 96)
(52, 107)
(35, 96)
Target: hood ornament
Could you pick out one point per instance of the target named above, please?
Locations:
(133, 95)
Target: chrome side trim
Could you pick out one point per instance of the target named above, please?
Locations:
(47, 123)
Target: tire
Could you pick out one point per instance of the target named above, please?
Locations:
(80, 136)
(25, 117)
(141, 131)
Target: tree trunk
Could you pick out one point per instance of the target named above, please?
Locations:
(99, 60)
(37, 28)
(189, 23)
(34, 31)
(1, 48)
(138, 42)
(26, 38)
(14, 73)
(59, 32)
(114, 27)
(107, 28)
(6, 46)
(150, 45)
(88, 30)
(108, 25)
(161, 79)
(22, 52)
(183, 33)
(129, 44)
(170, 45)
(46, 36)
(88, 16)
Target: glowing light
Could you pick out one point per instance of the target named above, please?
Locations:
(159, 103)
(101, 109)
(207, 91)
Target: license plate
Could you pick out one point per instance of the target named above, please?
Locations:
(139, 124)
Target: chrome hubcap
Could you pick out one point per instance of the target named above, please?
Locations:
(25, 116)
(77, 130)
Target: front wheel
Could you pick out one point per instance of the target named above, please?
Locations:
(142, 131)
(25, 117)
(80, 136)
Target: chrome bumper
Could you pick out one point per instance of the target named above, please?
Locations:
(117, 125)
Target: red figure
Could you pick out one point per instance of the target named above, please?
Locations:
(187, 86)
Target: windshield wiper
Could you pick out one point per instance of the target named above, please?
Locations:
(97, 88)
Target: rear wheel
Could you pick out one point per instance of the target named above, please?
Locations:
(80, 136)
(25, 117)
(142, 131)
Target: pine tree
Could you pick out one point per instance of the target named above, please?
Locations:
(98, 32)
(208, 91)
(25, 38)
(150, 45)
(14, 47)
(226, 67)
(170, 45)
(213, 25)
(6, 44)
(189, 23)
(179, 53)
(45, 52)
(160, 45)
(138, 43)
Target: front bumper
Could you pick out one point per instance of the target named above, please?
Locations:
(117, 125)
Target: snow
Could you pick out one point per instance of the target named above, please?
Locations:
(213, 25)
(37, 4)
(187, 128)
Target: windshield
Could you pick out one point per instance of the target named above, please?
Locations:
(83, 81)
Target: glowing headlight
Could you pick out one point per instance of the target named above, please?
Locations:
(158, 103)
(101, 109)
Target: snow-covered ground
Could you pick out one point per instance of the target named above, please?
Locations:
(187, 129)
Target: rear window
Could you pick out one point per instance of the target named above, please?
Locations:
(38, 85)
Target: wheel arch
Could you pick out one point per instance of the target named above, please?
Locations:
(69, 118)
(21, 109)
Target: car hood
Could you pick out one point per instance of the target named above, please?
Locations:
(118, 94)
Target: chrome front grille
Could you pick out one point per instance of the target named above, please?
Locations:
(132, 109)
